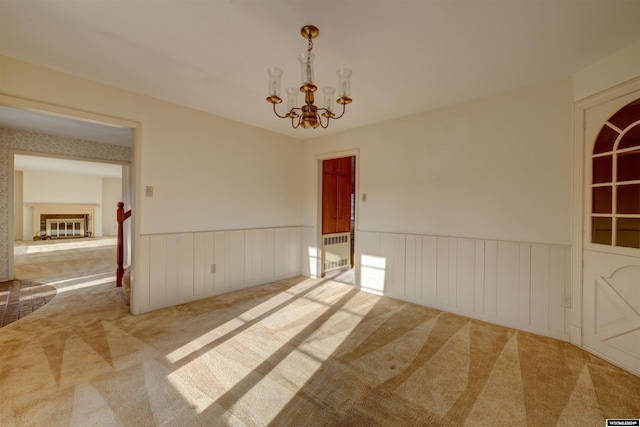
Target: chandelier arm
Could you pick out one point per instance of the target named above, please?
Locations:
(344, 108)
(276, 113)
(324, 126)
(295, 126)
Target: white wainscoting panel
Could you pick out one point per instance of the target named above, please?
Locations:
(514, 284)
(176, 268)
(310, 253)
(466, 262)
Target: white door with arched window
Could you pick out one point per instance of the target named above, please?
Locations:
(611, 247)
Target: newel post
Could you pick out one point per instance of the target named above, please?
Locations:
(120, 249)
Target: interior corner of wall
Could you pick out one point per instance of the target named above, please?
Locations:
(615, 69)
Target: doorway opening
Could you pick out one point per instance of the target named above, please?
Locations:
(64, 212)
(338, 217)
(44, 133)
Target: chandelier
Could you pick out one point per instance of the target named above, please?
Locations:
(309, 116)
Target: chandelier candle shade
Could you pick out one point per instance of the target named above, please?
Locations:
(309, 116)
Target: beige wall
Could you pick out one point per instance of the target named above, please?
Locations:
(468, 207)
(492, 170)
(208, 173)
(497, 168)
(613, 70)
(60, 188)
(218, 172)
(67, 188)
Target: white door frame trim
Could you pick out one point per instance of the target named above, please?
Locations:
(136, 149)
(580, 109)
(318, 159)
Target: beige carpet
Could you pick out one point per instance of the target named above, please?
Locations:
(293, 353)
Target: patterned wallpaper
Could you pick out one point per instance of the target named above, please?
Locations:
(11, 139)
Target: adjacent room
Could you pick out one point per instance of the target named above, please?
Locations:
(444, 231)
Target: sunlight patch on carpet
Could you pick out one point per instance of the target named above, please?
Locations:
(47, 246)
(255, 365)
(232, 326)
(76, 283)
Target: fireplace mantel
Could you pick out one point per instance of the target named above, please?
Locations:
(62, 209)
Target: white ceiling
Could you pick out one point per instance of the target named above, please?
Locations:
(61, 126)
(66, 166)
(407, 56)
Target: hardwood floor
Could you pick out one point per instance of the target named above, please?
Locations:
(19, 298)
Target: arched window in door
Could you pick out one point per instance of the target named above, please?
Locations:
(615, 183)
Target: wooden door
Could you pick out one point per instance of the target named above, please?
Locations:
(337, 236)
(611, 256)
(336, 195)
(329, 202)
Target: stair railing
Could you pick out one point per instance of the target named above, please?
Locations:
(121, 215)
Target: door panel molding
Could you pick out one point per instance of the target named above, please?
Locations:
(612, 308)
(613, 340)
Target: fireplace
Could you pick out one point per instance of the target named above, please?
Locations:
(63, 221)
(62, 226)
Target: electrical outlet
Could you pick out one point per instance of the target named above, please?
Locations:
(565, 301)
(213, 268)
